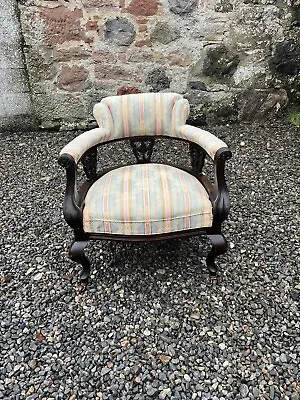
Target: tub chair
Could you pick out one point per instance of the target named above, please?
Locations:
(144, 201)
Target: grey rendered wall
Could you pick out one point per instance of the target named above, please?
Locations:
(15, 102)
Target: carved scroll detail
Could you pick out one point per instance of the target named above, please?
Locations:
(89, 162)
(142, 149)
(197, 155)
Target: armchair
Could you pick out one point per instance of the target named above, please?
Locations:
(145, 201)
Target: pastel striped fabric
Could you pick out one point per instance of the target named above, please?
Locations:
(152, 114)
(146, 199)
(78, 146)
(142, 114)
(210, 143)
(139, 115)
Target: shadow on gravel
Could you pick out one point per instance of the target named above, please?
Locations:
(141, 266)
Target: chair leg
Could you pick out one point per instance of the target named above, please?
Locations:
(76, 253)
(219, 246)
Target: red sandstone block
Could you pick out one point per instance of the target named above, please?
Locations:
(71, 53)
(91, 25)
(62, 24)
(144, 42)
(140, 56)
(142, 7)
(115, 72)
(104, 56)
(142, 20)
(72, 78)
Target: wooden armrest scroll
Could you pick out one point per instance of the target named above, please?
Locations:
(221, 204)
(72, 211)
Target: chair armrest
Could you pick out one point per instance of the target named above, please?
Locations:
(221, 203)
(78, 146)
(210, 143)
(68, 158)
(219, 153)
(72, 210)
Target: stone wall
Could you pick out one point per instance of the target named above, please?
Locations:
(233, 59)
(15, 103)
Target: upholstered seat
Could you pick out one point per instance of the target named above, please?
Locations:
(145, 200)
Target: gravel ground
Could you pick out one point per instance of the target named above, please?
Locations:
(149, 325)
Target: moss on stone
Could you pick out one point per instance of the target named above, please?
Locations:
(294, 117)
(220, 62)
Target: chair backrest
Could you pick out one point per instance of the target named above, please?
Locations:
(142, 114)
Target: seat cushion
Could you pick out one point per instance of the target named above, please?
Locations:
(146, 199)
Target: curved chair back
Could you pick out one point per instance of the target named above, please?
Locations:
(142, 114)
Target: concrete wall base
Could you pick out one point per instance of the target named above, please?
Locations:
(16, 112)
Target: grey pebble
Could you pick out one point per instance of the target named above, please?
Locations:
(283, 358)
(105, 371)
(151, 391)
(244, 390)
(295, 396)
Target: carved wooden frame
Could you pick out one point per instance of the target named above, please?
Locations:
(142, 148)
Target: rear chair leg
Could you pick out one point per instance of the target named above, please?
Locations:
(219, 246)
(76, 253)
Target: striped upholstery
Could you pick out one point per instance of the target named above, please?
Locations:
(210, 143)
(152, 114)
(139, 115)
(146, 199)
(78, 146)
(142, 114)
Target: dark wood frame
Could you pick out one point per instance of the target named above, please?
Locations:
(142, 148)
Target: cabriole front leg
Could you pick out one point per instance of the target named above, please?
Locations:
(219, 246)
(76, 253)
